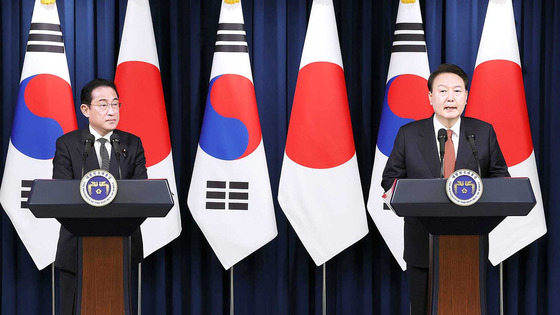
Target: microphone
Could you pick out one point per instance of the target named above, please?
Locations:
(116, 143)
(88, 144)
(442, 137)
(471, 139)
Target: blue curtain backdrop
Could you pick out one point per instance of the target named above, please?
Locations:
(185, 277)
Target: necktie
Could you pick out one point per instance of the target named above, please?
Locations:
(449, 157)
(105, 161)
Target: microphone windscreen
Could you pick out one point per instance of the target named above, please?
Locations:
(115, 137)
(442, 134)
(89, 138)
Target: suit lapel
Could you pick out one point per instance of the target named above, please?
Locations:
(91, 162)
(114, 167)
(428, 147)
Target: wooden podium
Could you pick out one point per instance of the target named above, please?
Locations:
(458, 236)
(103, 235)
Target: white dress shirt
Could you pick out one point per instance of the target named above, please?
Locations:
(456, 129)
(97, 144)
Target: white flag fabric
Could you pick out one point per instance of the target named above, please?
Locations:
(497, 96)
(406, 100)
(320, 190)
(230, 196)
(138, 81)
(44, 111)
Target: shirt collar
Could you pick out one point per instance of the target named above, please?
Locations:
(96, 134)
(456, 128)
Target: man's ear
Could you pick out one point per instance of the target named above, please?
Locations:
(85, 110)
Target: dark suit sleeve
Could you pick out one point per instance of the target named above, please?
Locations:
(67, 248)
(139, 171)
(62, 163)
(497, 166)
(396, 165)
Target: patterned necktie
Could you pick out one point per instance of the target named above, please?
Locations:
(449, 157)
(105, 161)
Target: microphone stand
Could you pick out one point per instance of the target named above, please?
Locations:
(118, 155)
(87, 147)
(441, 170)
(116, 143)
(471, 138)
(442, 138)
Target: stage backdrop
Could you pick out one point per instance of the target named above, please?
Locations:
(185, 277)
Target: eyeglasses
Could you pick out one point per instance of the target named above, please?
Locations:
(104, 107)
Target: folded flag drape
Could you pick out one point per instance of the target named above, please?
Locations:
(44, 112)
(230, 196)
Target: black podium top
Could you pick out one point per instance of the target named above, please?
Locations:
(136, 200)
(427, 200)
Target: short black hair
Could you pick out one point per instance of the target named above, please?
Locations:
(85, 95)
(448, 68)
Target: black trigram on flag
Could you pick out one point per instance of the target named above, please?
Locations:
(45, 37)
(231, 38)
(409, 37)
(222, 195)
(25, 189)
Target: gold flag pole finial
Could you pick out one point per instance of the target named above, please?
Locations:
(47, 2)
(232, 1)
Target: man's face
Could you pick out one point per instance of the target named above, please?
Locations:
(448, 98)
(103, 117)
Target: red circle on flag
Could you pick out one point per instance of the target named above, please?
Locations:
(320, 132)
(143, 110)
(408, 97)
(498, 97)
(50, 96)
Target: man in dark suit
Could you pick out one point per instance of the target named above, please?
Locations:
(100, 104)
(415, 155)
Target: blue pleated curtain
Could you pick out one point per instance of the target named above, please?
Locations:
(185, 277)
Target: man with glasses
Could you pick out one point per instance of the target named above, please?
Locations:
(100, 104)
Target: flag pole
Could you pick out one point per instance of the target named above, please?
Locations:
(231, 308)
(324, 289)
(53, 295)
(139, 288)
(501, 288)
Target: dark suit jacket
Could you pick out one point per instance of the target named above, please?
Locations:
(67, 164)
(415, 155)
